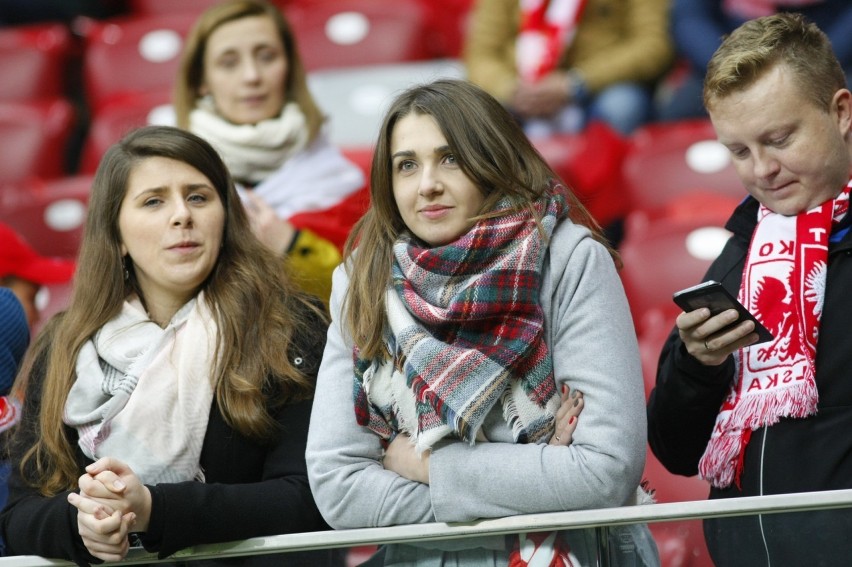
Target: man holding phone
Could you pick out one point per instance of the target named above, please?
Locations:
(774, 417)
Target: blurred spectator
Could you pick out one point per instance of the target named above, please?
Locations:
(24, 271)
(242, 87)
(558, 63)
(698, 27)
(14, 339)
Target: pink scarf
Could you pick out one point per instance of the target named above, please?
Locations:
(783, 284)
(547, 29)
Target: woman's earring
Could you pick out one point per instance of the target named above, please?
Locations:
(126, 271)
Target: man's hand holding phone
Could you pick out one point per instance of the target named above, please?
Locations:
(714, 324)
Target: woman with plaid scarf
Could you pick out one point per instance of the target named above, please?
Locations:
(476, 301)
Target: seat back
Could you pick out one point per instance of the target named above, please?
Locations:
(109, 124)
(49, 214)
(662, 254)
(667, 160)
(34, 136)
(354, 33)
(33, 60)
(132, 54)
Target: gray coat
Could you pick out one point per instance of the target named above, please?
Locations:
(590, 334)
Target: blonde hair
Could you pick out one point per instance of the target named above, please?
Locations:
(256, 308)
(490, 148)
(191, 71)
(758, 45)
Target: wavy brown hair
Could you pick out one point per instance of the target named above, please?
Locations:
(490, 148)
(191, 71)
(256, 309)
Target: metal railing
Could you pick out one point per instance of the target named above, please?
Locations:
(600, 519)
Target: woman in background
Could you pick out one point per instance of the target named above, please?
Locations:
(242, 87)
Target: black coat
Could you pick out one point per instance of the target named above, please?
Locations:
(794, 455)
(251, 489)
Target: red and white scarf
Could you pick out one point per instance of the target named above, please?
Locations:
(547, 29)
(783, 284)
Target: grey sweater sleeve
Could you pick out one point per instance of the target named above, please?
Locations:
(594, 348)
(345, 471)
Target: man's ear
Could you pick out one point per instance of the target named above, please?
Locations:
(841, 105)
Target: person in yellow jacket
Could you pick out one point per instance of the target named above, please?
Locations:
(242, 87)
(558, 63)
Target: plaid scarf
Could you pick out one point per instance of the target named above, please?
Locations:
(465, 330)
(783, 284)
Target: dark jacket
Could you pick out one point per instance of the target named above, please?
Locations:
(794, 455)
(251, 489)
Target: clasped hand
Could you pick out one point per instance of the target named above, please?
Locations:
(712, 339)
(112, 502)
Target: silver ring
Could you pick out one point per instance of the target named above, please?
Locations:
(705, 346)
(557, 439)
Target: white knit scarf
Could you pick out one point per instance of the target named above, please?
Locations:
(783, 284)
(252, 152)
(143, 393)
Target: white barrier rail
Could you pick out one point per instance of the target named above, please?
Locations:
(582, 519)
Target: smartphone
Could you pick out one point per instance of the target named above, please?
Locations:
(712, 295)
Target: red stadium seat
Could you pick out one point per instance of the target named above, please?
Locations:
(352, 33)
(35, 137)
(590, 163)
(449, 21)
(662, 254)
(49, 214)
(680, 543)
(113, 121)
(132, 54)
(667, 160)
(158, 7)
(33, 60)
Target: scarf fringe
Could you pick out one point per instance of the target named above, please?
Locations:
(719, 463)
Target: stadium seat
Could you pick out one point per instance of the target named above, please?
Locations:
(110, 123)
(132, 54)
(448, 20)
(356, 98)
(49, 214)
(656, 323)
(590, 163)
(662, 254)
(666, 160)
(35, 138)
(33, 60)
(680, 543)
(354, 33)
(159, 7)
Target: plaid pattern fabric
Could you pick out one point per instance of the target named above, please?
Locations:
(466, 332)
